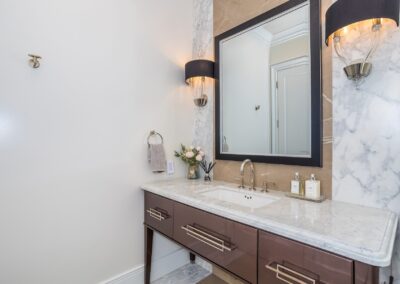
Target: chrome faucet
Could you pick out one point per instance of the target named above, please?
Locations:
(252, 179)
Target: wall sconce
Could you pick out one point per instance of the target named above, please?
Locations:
(345, 13)
(199, 69)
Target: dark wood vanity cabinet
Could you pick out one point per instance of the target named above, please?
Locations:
(159, 213)
(229, 244)
(253, 255)
(282, 260)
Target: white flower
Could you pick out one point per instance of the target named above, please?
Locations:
(202, 153)
(189, 154)
(191, 147)
(198, 148)
(199, 158)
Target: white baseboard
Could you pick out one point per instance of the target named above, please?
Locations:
(132, 276)
(160, 267)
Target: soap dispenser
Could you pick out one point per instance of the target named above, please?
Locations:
(295, 184)
(313, 189)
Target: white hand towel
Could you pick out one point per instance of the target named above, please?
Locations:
(156, 157)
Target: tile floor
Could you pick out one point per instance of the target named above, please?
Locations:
(188, 274)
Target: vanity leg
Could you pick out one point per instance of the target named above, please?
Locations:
(192, 257)
(148, 251)
(365, 274)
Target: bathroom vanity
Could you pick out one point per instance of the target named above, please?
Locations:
(268, 237)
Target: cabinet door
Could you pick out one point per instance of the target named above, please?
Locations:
(159, 212)
(284, 261)
(229, 244)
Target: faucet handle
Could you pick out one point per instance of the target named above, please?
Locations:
(268, 185)
(240, 179)
(264, 186)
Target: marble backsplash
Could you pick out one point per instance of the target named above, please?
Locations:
(366, 130)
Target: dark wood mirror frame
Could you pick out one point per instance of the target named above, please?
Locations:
(316, 88)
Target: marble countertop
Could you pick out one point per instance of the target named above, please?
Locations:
(361, 233)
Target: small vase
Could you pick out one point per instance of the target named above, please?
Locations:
(207, 177)
(193, 172)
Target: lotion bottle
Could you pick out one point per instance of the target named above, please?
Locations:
(295, 185)
(313, 189)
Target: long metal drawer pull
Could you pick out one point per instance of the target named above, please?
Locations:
(208, 239)
(155, 214)
(279, 272)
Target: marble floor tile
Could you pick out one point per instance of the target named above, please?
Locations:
(188, 274)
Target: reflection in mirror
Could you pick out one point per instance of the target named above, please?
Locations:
(265, 87)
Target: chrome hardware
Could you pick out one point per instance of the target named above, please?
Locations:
(358, 70)
(267, 186)
(205, 238)
(155, 214)
(154, 133)
(280, 273)
(202, 101)
(252, 180)
(34, 60)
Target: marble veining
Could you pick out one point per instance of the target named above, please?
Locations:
(366, 129)
(362, 233)
(188, 274)
(203, 49)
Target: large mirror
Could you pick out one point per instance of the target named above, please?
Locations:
(268, 91)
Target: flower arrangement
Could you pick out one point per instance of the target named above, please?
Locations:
(190, 155)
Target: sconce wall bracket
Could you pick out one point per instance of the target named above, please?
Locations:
(357, 71)
(202, 101)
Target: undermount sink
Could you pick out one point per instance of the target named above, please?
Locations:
(240, 197)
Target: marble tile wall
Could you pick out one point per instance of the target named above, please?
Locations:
(203, 49)
(366, 129)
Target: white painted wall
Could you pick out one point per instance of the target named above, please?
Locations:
(73, 133)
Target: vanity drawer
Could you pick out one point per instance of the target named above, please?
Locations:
(285, 261)
(159, 212)
(229, 244)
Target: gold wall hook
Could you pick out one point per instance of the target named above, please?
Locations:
(34, 61)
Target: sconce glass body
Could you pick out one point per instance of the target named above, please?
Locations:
(199, 69)
(344, 15)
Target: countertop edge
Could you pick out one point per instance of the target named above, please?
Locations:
(381, 258)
